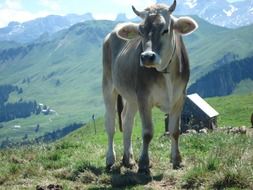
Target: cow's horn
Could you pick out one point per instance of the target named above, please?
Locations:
(173, 6)
(138, 13)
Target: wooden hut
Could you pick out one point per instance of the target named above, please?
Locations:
(197, 114)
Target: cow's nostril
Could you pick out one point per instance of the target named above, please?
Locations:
(148, 56)
(142, 57)
(152, 57)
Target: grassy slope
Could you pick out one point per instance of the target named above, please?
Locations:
(74, 58)
(214, 161)
(234, 110)
(6, 45)
(244, 87)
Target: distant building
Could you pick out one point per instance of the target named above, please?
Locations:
(16, 126)
(197, 114)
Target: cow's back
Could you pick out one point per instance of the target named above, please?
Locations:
(121, 62)
(111, 48)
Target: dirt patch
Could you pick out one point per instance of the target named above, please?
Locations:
(162, 185)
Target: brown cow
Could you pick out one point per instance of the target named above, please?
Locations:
(147, 65)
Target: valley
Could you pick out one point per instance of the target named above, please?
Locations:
(63, 72)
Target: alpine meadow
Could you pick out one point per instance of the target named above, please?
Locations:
(52, 124)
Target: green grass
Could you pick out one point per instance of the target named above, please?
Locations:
(244, 87)
(234, 110)
(215, 160)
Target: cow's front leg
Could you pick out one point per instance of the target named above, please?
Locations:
(128, 120)
(174, 122)
(147, 135)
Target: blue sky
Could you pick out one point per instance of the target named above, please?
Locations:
(23, 10)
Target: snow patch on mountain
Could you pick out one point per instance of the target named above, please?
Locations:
(231, 11)
(191, 3)
(231, 14)
(251, 10)
(16, 29)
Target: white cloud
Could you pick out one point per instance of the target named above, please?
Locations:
(138, 4)
(16, 10)
(53, 5)
(104, 16)
(8, 15)
(12, 10)
(13, 4)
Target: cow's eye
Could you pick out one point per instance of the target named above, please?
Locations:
(141, 30)
(165, 31)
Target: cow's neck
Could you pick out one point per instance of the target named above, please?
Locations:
(172, 55)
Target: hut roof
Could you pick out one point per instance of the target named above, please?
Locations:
(203, 105)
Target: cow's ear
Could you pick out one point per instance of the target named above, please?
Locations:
(127, 31)
(184, 25)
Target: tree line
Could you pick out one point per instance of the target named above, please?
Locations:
(20, 109)
(46, 138)
(5, 91)
(223, 80)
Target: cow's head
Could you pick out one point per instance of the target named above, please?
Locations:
(157, 32)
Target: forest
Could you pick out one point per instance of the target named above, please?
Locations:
(20, 109)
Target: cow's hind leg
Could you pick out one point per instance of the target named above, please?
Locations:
(110, 97)
(128, 120)
(174, 122)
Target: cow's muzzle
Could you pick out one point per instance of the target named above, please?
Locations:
(149, 59)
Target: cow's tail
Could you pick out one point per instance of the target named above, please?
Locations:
(120, 109)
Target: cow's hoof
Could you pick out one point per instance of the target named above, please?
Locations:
(144, 165)
(144, 171)
(128, 162)
(144, 168)
(176, 162)
(109, 168)
(112, 169)
(177, 165)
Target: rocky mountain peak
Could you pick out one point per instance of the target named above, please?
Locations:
(218, 12)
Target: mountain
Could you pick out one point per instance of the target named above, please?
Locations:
(8, 45)
(225, 79)
(212, 46)
(28, 31)
(63, 71)
(121, 17)
(222, 13)
(63, 74)
(219, 12)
